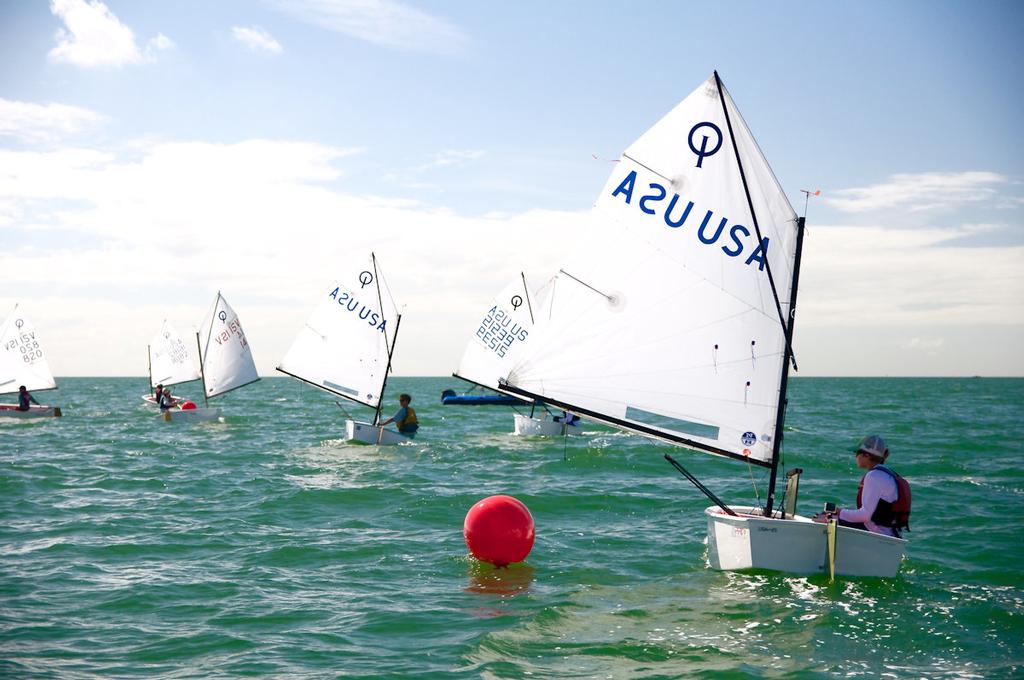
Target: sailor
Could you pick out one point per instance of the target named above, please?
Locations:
(24, 398)
(883, 497)
(405, 417)
(159, 393)
(570, 419)
(166, 400)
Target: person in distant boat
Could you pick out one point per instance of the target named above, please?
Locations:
(24, 398)
(883, 497)
(159, 393)
(570, 419)
(405, 418)
(166, 400)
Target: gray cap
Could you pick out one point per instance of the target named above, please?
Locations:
(873, 445)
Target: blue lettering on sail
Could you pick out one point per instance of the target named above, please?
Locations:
(498, 331)
(349, 303)
(710, 230)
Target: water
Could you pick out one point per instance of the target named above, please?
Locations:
(264, 546)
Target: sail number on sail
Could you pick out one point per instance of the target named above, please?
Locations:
(349, 303)
(175, 351)
(27, 344)
(676, 214)
(233, 327)
(498, 332)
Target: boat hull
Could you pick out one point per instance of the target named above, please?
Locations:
(526, 426)
(366, 433)
(11, 411)
(192, 415)
(797, 545)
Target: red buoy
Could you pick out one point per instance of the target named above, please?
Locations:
(188, 406)
(499, 530)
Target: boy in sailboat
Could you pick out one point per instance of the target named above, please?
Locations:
(166, 401)
(883, 497)
(24, 398)
(405, 418)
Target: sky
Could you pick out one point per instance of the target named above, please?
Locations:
(152, 154)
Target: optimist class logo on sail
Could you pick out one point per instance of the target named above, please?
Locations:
(349, 303)
(675, 214)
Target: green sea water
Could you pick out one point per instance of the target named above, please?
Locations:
(265, 546)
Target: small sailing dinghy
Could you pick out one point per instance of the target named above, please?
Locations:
(22, 362)
(170, 363)
(346, 346)
(500, 335)
(675, 320)
(225, 361)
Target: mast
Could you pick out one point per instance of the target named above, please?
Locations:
(380, 401)
(202, 373)
(149, 357)
(750, 202)
(780, 416)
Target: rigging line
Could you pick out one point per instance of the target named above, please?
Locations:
(605, 296)
(757, 496)
(750, 202)
(380, 301)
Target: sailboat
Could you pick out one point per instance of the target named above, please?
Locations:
(346, 346)
(675, 321)
(170, 362)
(501, 335)
(225, 361)
(22, 362)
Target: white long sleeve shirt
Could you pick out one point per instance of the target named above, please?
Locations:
(877, 485)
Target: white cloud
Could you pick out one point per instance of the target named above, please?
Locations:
(30, 122)
(872, 279)
(382, 22)
(92, 36)
(267, 222)
(263, 221)
(451, 157)
(158, 43)
(256, 39)
(917, 192)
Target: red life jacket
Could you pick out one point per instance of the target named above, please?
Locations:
(895, 515)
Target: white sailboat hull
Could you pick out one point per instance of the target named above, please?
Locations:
(365, 433)
(537, 427)
(11, 411)
(796, 545)
(192, 415)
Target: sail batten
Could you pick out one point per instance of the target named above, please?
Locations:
(669, 320)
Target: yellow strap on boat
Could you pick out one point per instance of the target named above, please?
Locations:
(832, 530)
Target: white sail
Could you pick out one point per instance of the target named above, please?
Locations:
(345, 346)
(665, 321)
(171, 358)
(22, 360)
(500, 333)
(226, 356)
